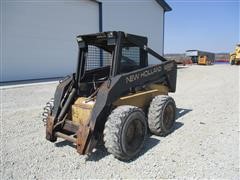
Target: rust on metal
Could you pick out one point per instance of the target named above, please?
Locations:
(66, 137)
(49, 129)
(83, 135)
(70, 126)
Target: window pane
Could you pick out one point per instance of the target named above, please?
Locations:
(130, 60)
(97, 58)
(131, 55)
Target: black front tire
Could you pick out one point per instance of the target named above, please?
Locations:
(161, 115)
(125, 132)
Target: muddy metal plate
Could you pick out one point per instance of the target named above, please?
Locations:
(81, 111)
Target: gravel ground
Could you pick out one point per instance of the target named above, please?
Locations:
(205, 143)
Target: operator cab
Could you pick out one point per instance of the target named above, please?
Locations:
(107, 54)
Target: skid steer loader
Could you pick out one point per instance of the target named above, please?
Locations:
(114, 95)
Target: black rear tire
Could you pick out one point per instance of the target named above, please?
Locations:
(161, 115)
(125, 132)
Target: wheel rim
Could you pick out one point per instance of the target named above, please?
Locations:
(168, 116)
(133, 136)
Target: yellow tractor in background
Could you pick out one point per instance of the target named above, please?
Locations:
(204, 60)
(235, 56)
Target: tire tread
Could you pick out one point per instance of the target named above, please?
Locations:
(155, 113)
(113, 127)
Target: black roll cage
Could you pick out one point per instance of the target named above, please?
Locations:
(112, 42)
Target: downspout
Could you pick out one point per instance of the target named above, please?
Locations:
(163, 32)
(100, 29)
(100, 16)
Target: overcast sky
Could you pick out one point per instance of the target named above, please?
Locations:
(204, 24)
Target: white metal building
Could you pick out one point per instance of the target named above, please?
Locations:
(38, 37)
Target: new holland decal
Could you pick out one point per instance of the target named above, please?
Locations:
(143, 74)
(148, 72)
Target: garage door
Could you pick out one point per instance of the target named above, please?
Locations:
(38, 37)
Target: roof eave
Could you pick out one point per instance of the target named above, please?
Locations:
(164, 5)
